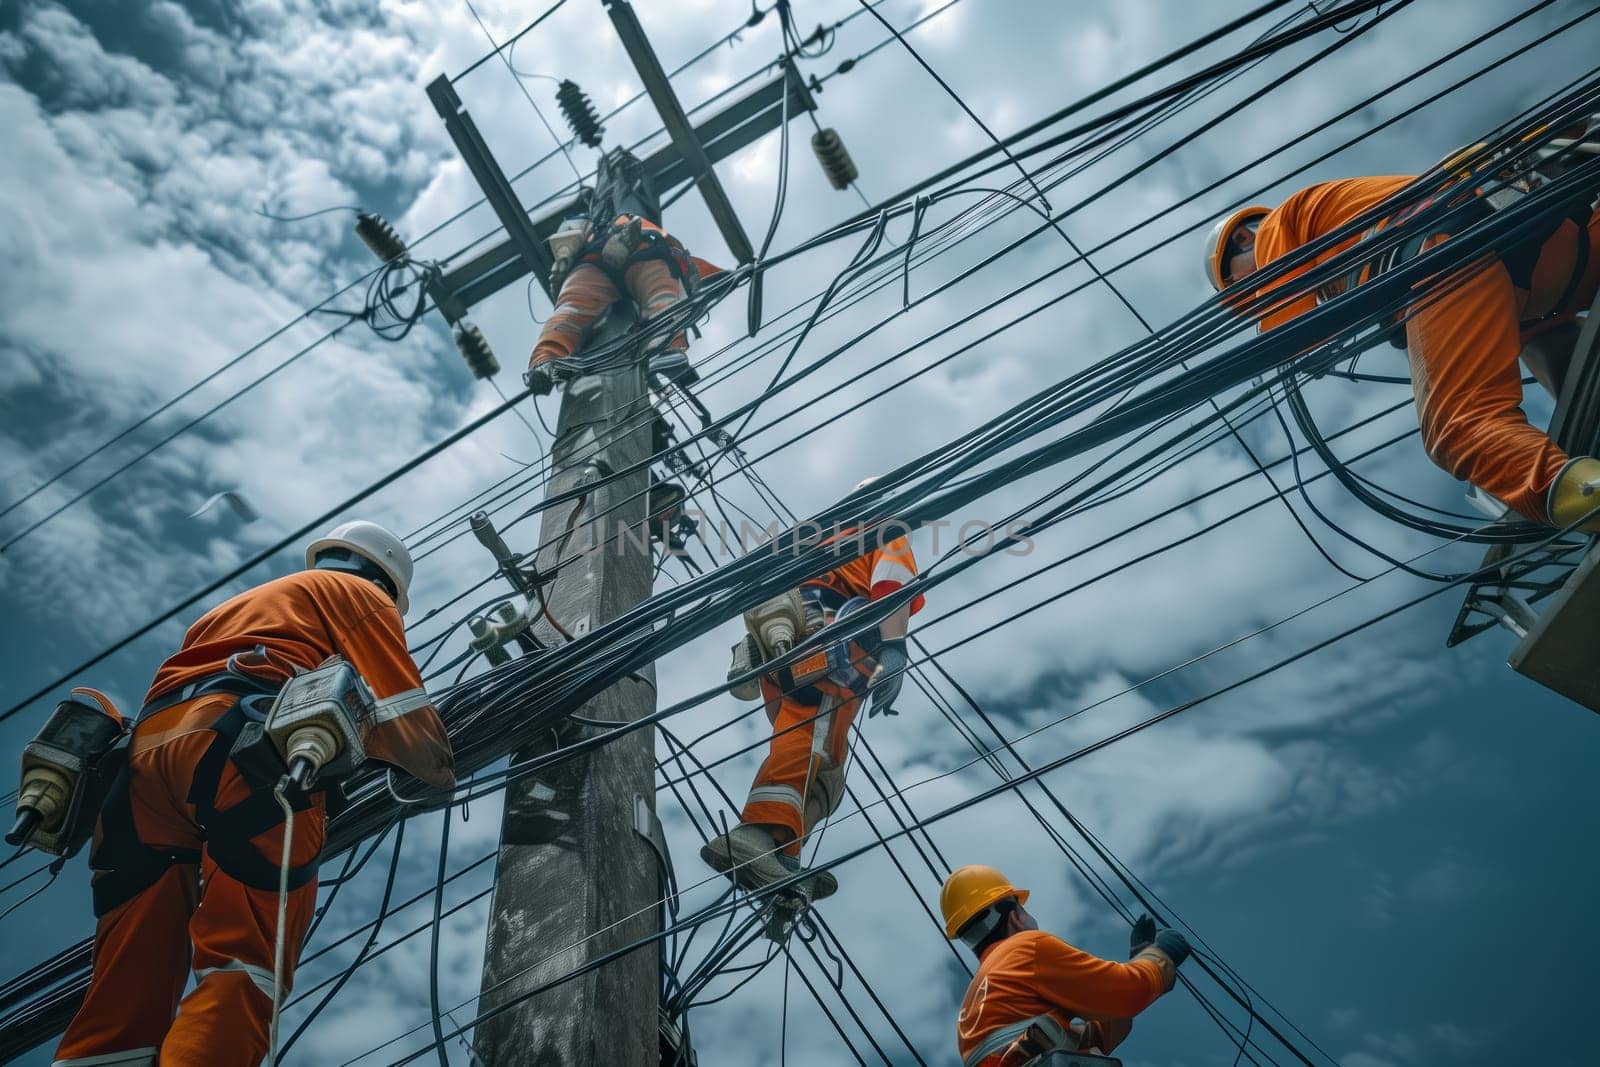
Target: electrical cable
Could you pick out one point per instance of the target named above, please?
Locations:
(54, 869)
(497, 47)
(433, 939)
(279, 931)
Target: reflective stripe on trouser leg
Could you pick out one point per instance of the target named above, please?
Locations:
(806, 741)
(224, 1019)
(654, 290)
(1463, 346)
(141, 963)
(261, 976)
(137, 1057)
(584, 295)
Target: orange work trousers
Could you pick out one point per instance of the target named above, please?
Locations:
(196, 917)
(1463, 345)
(588, 291)
(801, 781)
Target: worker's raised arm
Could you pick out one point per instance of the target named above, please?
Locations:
(408, 732)
(1083, 984)
(1281, 232)
(893, 566)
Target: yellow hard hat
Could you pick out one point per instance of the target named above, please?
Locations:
(1217, 241)
(971, 889)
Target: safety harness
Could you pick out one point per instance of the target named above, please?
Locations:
(1039, 1040)
(1470, 206)
(798, 680)
(129, 866)
(628, 241)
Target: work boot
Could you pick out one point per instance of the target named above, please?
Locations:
(1576, 493)
(672, 364)
(544, 376)
(749, 854)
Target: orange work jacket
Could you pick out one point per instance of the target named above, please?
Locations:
(1309, 214)
(301, 620)
(1032, 973)
(874, 575)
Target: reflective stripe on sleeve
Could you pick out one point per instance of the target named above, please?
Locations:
(391, 708)
(891, 570)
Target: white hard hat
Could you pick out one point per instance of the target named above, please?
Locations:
(868, 480)
(373, 543)
(1217, 240)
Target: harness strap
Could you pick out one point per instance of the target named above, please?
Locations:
(128, 866)
(652, 244)
(227, 681)
(997, 1041)
(229, 832)
(819, 600)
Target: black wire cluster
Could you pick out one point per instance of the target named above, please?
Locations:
(945, 479)
(397, 298)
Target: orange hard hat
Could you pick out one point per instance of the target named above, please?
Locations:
(1221, 233)
(969, 891)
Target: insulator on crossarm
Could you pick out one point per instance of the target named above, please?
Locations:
(835, 158)
(476, 351)
(579, 112)
(376, 233)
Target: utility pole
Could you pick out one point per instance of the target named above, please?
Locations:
(576, 878)
(582, 865)
(533, 1032)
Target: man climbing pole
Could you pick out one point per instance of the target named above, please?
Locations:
(634, 256)
(186, 851)
(1463, 337)
(1034, 994)
(811, 705)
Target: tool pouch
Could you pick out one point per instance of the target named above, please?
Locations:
(1030, 1048)
(253, 753)
(93, 787)
(621, 244)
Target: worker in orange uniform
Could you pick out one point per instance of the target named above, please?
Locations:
(1035, 994)
(801, 781)
(635, 257)
(186, 851)
(1463, 338)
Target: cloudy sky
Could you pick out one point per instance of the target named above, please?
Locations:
(1387, 839)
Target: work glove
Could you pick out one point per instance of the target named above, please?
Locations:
(1173, 944)
(539, 381)
(1144, 933)
(884, 685)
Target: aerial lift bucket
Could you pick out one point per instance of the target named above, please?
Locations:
(1562, 649)
(1559, 646)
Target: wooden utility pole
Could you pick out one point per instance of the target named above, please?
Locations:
(582, 865)
(575, 877)
(591, 799)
